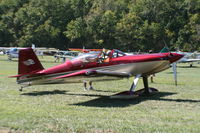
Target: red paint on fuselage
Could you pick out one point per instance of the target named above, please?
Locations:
(79, 65)
(172, 57)
(67, 66)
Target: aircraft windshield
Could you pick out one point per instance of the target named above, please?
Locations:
(87, 57)
(98, 56)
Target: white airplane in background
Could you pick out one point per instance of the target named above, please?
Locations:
(65, 55)
(189, 58)
(13, 52)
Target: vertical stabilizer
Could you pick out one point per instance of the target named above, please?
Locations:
(28, 62)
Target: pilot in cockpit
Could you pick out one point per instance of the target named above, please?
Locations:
(104, 56)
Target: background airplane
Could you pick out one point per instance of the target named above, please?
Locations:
(83, 50)
(13, 52)
(94, 67)
(189, 58)
(65, 55)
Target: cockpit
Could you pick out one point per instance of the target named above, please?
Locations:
(117, 53)
(100, 56)
(87, 57)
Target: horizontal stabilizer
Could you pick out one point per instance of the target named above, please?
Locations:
(27, 74)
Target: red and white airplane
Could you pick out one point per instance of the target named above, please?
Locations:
(94, 67)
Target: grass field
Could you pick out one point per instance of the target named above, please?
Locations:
(68, 108)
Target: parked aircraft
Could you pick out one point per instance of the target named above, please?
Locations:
(65, 55)
(13, 52)
(94, 67)
(189, 58)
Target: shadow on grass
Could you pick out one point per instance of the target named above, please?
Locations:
(104, 91)
(171, 73)
(54, 92)
(188, 67)
(41, 93)
(105, 101)
(169, 83)
(180, 100)
(86, 95)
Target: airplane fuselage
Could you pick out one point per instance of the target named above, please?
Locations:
(132, 65)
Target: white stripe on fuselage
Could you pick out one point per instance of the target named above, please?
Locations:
(144, 68)
(138, 68)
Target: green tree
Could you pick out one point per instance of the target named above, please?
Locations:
(128, 32)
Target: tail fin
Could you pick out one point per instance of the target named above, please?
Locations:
(28, 62)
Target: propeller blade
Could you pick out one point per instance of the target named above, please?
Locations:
(175, 72)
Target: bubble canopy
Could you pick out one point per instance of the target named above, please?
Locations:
(96, 56)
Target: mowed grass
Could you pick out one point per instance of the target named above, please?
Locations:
(68, 108)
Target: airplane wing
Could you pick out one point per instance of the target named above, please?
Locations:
(78, 73)
(190, 60)
(94, 72)
(34, 73)
(109, 73)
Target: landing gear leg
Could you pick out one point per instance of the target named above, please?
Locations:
(128, 94)
(147, 90)
(146, 86)
(132, 94)
(133, 86)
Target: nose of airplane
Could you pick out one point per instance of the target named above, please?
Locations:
(174, 57)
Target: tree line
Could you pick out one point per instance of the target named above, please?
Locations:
(128, 25)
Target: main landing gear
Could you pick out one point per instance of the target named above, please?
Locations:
(146, 91)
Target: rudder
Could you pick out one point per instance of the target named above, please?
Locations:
(28, 62)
